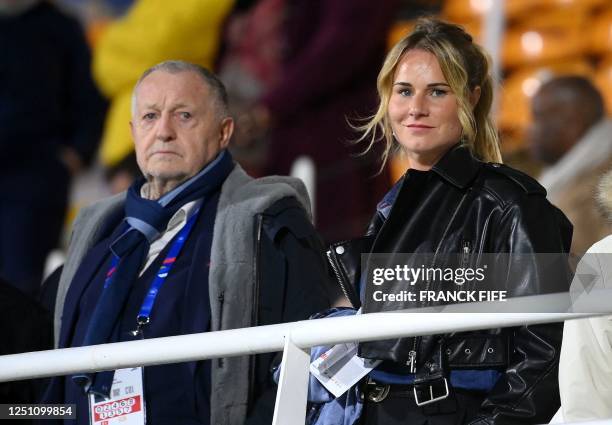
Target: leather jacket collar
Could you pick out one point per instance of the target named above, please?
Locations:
(458, 166)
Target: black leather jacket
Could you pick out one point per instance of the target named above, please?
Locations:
(465, 205)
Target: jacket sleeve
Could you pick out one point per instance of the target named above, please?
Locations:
(293, 285)
(528, 392)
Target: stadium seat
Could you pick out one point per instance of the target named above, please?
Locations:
(467, 10)
(532, 46)
(600, 29)
(559, 18)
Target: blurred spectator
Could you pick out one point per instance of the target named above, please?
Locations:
(250, 65)
(570, 134)
(50, 122)
(152, 31)
(253, 47)
(585, 367)
(34, 333)
(333, 51)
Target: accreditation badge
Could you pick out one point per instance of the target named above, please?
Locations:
(126, 405)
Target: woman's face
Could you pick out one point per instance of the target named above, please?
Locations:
(423, 110)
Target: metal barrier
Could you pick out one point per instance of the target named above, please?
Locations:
(600, 422)
(295, 339)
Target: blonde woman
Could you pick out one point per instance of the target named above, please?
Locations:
(435, 102)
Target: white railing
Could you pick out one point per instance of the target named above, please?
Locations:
(599, 422)
(295, 339)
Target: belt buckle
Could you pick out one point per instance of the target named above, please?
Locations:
(377, 393)
(432, 399)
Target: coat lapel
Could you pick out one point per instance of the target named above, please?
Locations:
(88, 268)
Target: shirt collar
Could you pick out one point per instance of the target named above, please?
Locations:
(183, 214)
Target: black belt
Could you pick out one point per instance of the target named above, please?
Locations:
(422, 393)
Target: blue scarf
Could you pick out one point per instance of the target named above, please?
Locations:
(145, 221)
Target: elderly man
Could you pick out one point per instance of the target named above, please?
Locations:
(195, 246)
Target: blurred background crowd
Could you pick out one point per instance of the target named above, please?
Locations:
(300, 74)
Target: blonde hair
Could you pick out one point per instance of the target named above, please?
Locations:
(465, 66)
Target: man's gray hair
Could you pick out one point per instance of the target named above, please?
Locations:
(177, 66)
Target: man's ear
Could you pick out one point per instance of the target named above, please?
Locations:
(475, 96)
(132, 130)
(227, 129)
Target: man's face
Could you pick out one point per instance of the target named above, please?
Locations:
(176, 126)
(549, 131)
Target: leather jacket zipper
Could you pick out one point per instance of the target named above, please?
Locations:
(466, 248)
(412, 357)
(343, 285)
(416, 340)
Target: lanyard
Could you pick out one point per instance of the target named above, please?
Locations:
(144, 315)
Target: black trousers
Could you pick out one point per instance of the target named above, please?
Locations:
(400, 408)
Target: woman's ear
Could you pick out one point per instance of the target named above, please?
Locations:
(475, 96)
